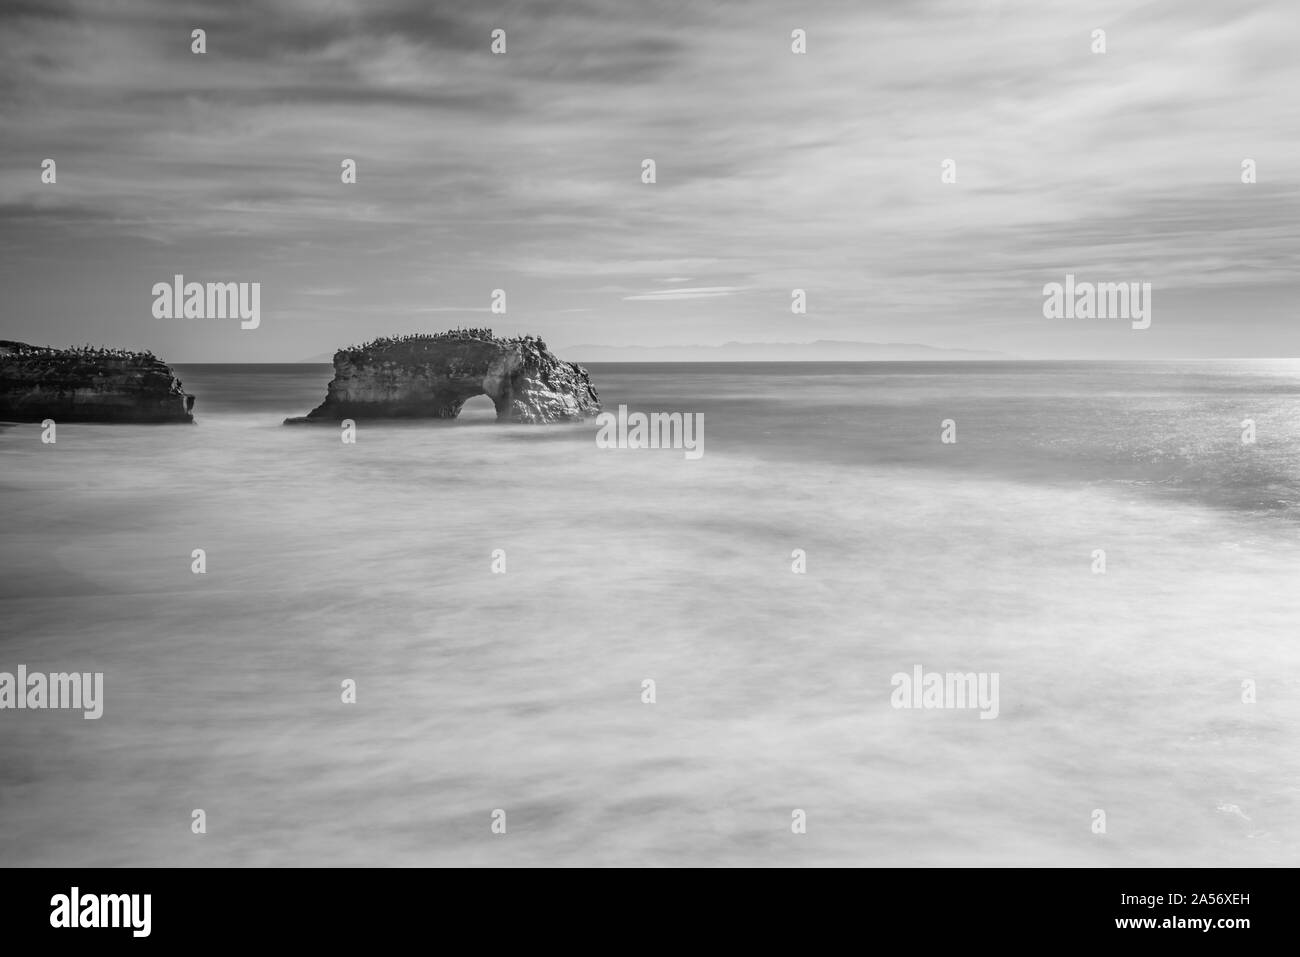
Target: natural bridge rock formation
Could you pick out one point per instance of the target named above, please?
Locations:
(432, 376)
(88, 385)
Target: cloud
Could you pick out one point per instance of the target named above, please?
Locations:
(775, 171)
(425, 309)
(672, 295)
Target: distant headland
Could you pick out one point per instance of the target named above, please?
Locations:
(821, 350)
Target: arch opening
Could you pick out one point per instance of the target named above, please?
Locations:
(477, 409)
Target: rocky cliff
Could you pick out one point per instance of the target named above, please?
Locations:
(88, 385)
(432, 376)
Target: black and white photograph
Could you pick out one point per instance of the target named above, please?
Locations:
(596, 434)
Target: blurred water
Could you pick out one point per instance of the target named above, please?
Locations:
(522, 691)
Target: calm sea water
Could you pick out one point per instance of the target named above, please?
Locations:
(521, 691)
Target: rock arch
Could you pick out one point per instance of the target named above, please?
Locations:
(433, 376)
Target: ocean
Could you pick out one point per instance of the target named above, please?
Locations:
(521, 691)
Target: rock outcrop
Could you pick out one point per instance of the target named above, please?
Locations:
(432, 376)
(88, 385)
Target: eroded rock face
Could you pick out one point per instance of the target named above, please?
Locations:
(432, 377)
(88, 385)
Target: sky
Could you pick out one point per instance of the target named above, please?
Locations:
(774, 171)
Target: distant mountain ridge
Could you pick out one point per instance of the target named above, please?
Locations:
(822, 350)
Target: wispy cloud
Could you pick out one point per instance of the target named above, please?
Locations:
(424, 309)
(672, 295)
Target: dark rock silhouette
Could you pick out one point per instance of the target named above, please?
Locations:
(88, 384)
(432, 376)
